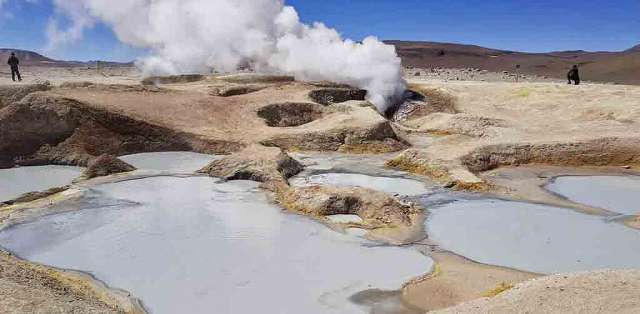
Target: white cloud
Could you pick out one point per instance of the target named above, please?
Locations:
(196, 35)
(78, 17)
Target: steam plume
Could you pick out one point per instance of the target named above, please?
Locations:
(197, 35)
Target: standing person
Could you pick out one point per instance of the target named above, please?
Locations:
(574, 75)
(14, 63)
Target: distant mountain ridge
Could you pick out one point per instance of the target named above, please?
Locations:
(634, 48)
(616, 67)
(30, 58)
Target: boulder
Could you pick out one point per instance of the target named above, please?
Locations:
(106, 165)
(376, 209)
(268, 165)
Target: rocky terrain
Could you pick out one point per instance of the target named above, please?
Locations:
(86, 120)
(473, 74)
(497, 137)
(517, 124)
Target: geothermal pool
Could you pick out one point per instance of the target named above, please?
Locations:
(186, 162)
(196, 245)
(17, 181)
(618, 194)
(532, 237)
(388, 185)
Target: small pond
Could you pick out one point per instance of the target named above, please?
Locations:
(17, 181)
(532, 237)
(196, 245)
(620, 194)
(185, 162)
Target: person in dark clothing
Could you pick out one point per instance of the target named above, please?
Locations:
(14, 64)
(574, 75)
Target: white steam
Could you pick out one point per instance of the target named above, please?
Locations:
(198, 35)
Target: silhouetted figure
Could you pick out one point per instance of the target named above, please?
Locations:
(574, 75)
(14, 64)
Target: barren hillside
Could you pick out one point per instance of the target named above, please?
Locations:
(31, 59)
(615, 67)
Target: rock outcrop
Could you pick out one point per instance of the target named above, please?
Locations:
(269, 165)
(377, 209)
(106, 165)
(448, 173)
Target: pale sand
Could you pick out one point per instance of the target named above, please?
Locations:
(456, 280)
(594, 292)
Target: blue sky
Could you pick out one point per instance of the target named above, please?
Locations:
(536, 26)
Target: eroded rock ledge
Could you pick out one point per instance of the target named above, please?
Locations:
(610, 151)
(44, 129)
(461, 171)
